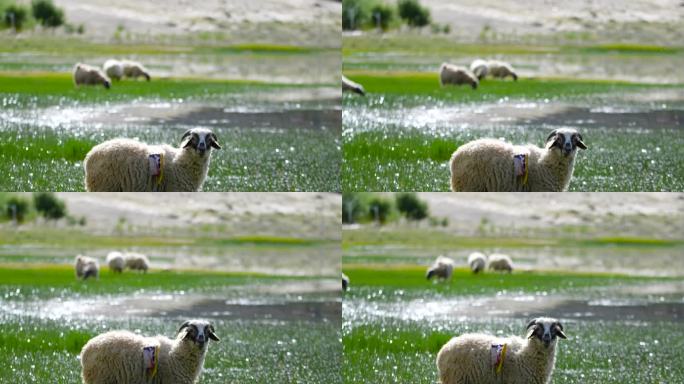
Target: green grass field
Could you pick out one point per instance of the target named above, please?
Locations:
(44, 155)
(401, 136)
(391, 143)
(391, 335)
(39, 347)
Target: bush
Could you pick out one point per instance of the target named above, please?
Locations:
(411, 206)
(379, 209)
(413, 13)
(17, 207)
(48, 205)
(354, 14)
(382, 15)
(15, 15)
(354, 207)
(47, 13)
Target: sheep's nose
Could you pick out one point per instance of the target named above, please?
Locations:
(202, 146)
(200, 338)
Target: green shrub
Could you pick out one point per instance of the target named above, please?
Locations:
(354, 14)
(379, 209)
(17, 207)
(354, 207)
(47, 13)
(48, 205)
(382, 15)
(15, 16)
(413, 13)
(411, 206)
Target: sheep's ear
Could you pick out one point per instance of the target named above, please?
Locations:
(559, 330)
(211, 332)
(551, 139)
(214, 141)
(185, 139)
(531, 327)
(185, 325)
(579, 142)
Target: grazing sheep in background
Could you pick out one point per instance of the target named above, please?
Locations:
(499, 262)
(501, 69)
(134, 69)
(477, 262)
(345, 282)
(113, 69)
(489, 165)
(131, 166)
(87, 267)
(88, 75)
(442, 269)
(350, 86)
(116, 261)
(486, 359)
(451, 74)
(479, 68)
(136, 261)
(125, 357)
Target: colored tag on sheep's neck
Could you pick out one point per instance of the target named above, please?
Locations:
(498, 354)
(157, 166)
(520, 166)
(151, 360)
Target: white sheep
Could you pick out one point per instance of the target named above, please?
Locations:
(86, 267)
(477, 262)
(350, 86)
(125, 357)
(486, 359)
(345, 282)
(134, 69)
(489, 165)
(116, 261)
(500, 262)
(114, 69)
(442, 268)
(455, 75)
(501, 69)
(136, 261)
(479, 68)
(88, 75)
(131, 166)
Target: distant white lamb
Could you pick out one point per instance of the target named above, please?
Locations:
(486, 359)
(442, 268)
(477, 262)
(350, 86)
(116, 261)
(134, 69)
(124, 165)
(479, 68)
(501, 69)
(136, 261)
(89, 75)
(490, 165)
(455, 75)
(113, 69)
(86, 267)
(500, 262)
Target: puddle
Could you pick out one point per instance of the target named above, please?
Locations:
(643, 307)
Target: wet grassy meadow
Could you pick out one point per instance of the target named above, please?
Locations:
(281, 323)
(278, 122)
(626, 100)
(623, 320)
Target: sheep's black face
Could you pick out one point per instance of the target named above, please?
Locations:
(198, 331)
(200, 139)
(545, 330)
(567, 140)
